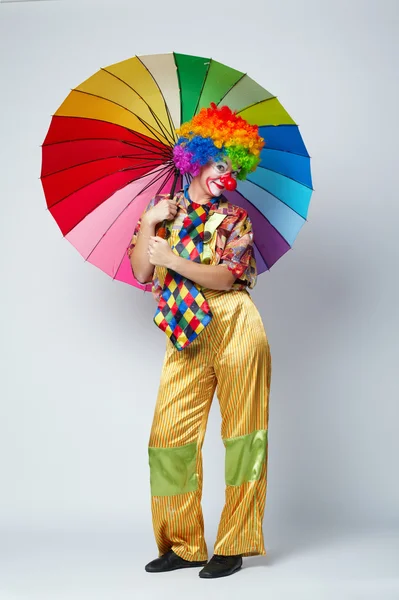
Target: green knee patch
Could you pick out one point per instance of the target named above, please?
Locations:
(244, 457)
(173, 470)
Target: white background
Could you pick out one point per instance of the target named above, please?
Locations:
(81, 357)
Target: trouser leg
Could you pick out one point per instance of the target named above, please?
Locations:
(243, 370)
(184, 398)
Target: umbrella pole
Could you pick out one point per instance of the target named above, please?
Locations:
(162, 230)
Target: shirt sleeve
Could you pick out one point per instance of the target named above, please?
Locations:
(238, 254)
(133, 240)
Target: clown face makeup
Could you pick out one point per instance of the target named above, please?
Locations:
(212, 176)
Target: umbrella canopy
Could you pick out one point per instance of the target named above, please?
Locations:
(108, 151)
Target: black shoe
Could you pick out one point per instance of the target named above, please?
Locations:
(220, 566)
(171, 561)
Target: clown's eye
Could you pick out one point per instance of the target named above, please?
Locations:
(221, 167)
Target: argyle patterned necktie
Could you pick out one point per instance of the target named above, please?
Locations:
(183, 311)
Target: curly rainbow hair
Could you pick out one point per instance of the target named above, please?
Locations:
(213, 134)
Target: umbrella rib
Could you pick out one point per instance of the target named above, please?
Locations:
(159, 140)
(88, 162)
(151, 129)
(99, 179)
(255, 103)
(163, 129)
(164, 153)
(161, 152)
(179, 82)
(203, 85)
(169, 173)
(263, 258)
(171, 124)
(234, 84)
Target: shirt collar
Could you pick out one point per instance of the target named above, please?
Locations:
(215, 200)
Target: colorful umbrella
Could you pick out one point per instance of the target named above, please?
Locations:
(108, 150)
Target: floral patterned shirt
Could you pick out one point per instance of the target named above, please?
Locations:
(232, 243)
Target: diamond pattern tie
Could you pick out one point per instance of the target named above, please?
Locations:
(183, 311)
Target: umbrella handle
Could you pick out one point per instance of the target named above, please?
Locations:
(162, 231)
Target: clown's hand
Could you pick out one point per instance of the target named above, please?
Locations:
(159, 251)
(164, 209)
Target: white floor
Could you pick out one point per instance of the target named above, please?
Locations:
(110, 565)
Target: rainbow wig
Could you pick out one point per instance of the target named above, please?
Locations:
(213, 134)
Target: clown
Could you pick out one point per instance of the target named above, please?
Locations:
(215, 342)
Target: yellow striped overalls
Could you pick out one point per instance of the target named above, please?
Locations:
(232, 356)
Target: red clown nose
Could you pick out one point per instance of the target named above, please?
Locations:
(229, 182)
